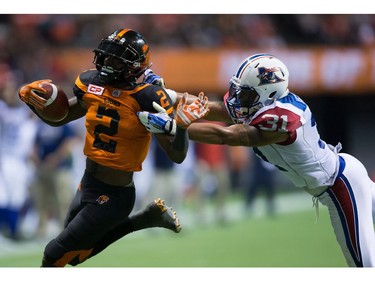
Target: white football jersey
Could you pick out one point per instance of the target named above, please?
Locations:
(304, 158)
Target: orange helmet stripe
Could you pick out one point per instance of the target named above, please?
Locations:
(121, 33)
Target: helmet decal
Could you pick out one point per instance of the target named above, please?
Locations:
(145, 48)
(268, 76)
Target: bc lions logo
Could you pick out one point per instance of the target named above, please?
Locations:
(102, 199)
(268, 76)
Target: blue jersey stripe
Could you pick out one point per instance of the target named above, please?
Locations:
(294, 100)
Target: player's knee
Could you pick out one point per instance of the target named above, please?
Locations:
(53, 255)
(58, 254)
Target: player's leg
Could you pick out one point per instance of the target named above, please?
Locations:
(93, 225)
(95, 210)
(53, 251)
(350, 207)
(156, 214)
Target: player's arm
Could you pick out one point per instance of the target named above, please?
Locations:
(176, 146)
(176, 142)
(28, 95)
(234, 135)
(218, 111)
(76, 111)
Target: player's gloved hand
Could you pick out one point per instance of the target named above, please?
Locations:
(159, 122)
(151, 78)
(187, 114)
(29, 94)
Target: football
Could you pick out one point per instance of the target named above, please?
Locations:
(57, 103)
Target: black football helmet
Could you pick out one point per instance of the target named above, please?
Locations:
(122, 57)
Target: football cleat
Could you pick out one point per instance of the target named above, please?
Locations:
(163, 216)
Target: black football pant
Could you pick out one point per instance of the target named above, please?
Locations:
(97, 217)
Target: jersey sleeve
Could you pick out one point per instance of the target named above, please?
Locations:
(153, 93)
(277, 119)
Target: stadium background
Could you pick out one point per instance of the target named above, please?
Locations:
(331, 59)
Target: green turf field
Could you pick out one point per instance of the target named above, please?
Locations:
(287, 240)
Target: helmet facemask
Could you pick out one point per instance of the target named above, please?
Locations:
(242, 102)
(117, 60)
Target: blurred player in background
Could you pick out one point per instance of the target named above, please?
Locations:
(213, 181)
(165, 178)
(116, 144)
(282, 130)
(52, 189)
(17, 134)
(262, 181)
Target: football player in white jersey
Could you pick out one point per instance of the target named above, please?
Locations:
(282, 130)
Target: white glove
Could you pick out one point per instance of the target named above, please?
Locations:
(157, 123)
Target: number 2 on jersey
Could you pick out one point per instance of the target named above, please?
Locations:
(163, 100)
(110, 130)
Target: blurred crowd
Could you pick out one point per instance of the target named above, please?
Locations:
(25, 40)
(47, 163)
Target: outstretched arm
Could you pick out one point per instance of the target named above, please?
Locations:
(218, 111)
(234, 135)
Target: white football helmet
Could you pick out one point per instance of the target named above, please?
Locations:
(259, 80)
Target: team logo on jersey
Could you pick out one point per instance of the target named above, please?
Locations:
(102, 199)
(116, 93)
(94, 89)
(268, 75)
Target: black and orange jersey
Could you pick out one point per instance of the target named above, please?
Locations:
(114, 135)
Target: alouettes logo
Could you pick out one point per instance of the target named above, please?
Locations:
(268, 75)
(102, 199)
(94, 89)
